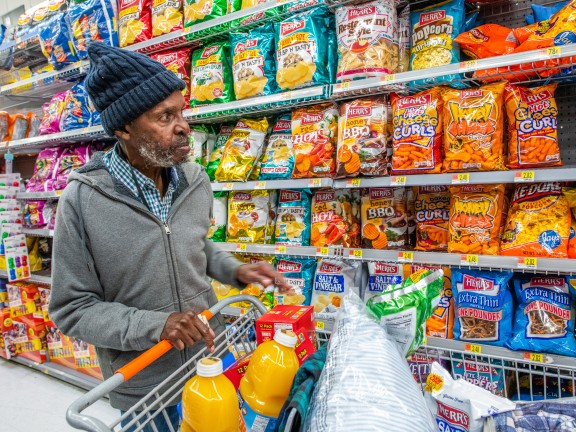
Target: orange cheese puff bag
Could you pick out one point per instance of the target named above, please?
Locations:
(335, 218)
(473, 128)
(532, 126)
(417, 132)
(384, 218)
(538, 223)
(570, 194)
(488, 40)
(432, 214)
(475, 218)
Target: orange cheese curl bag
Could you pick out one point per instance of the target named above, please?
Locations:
(417, 132)
(570, 194)
(475, 218)
(432, 207)
(532, 126)
(473, 129)
(488, 40)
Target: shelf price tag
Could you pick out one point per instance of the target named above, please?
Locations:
(59, 192)
(322, 251)
(280, 249)
(398, 181)
(343, 86)
(287, 95)
(387, 79)
(467, 66)
(473, 348)
(353, 183)
(260, 185)
(554, 52)
(406, 256)
(535, 357)
(315, 182)
(319, 325)
(240, 247)
(355, 253)
(527, 262)
(469, 260)
(462, 178)
(524, 176)
(228, 186)
(194, 110)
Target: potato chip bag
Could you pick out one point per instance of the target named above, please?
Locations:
(570, 194)
(223, 291)
(219, 218)
(362, 138)
(384, 218)
(475, 215)
(197, 11)
(532, 126)
(134, 21)
(314, 135)
(166, 16)
(293, 217)
(302, 53)
(299, 274)
(198, 141)
(335, 218)
(473, 129)
(248, 213)
(216, 155)
(404, 30)
(278, 161)
(246, 4)
(432, 214)
(179, 62)
(92, 21)
(538, 222)
(211, 76)
(367, 40)
(242, 150)
(417, 133)
(488, 40)
(382, 277)
(264, 294)
(55, 37)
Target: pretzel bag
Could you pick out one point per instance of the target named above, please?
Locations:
(134, 21)
(544, 317)
(299, 274)
(335, 218)
(293, 218)
(384, 218)
(483, 305)
(432, 207)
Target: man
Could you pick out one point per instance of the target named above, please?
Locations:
(130, 249)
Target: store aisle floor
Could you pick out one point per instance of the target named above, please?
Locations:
(31, 401)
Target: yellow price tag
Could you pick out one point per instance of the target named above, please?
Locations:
(470, 260)
(319, 325)
(355, 253)
(398, 180)
(322, 251)
(468, 66)
(527, 262)
(460, 178)
(315, 182)
(240, 247)
(194, 110)
(260, 185)
(58, 193)
(554, 51)
(473, 348)
(344, 86)
(387, 79)
(355, 182)
(287, 95)
(228, 186)
(281, 249)
(406, 256)
(535, 357)
(524, 176)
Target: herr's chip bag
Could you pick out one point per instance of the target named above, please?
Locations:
(56, 41)
(570, 194)
(538, 222)
(299, 274)
(278, 161)
(219, 218)
(211, 76)
(483, 372)
(483, 305)
(362, 138)
(256, 289)
(432, 215)
(242, 150)
(92, 21)
(488, 40)
(544, 317)
(302, 49)
(384, 218)
(248, 213)
(475, 219)
(335, 218)
(314, 135)
(367, 40)
(474, 128)
(253, 65)
(216, 155)
(382, 277)
(197, 11)
(166, 16)
(134, 21)
(177, 61)
(418, 130)
(532, 126)
(293, 217)
(404, 30)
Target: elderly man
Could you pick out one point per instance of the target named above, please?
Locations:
(131, 258)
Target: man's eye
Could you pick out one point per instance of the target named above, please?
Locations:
(165, 117)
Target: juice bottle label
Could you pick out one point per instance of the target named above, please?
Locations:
(256, 422)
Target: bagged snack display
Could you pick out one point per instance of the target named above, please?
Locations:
(242, 150)
(362, 138)
(197, 11)
(77, 109)
(166, 16)
(216, 155)
(488, 40)
(483, 305)
(278, 161)
(314, 135)
(299, 274)
(217, 230)
(367, 40)
(404, 31)
(335, 218)
(134, 21)
(570, 194)
(473, 128)
(382, 277)
(92, 21)
(417, 136)
(211, 76)
(432, 207)
(248, 213)
(538, 222)
(384, 218)
(56, 41)
(475, 219)
(532, 126)
(253, 65)
(51, 114)
(177, 61)
(483, 372)
(33, 128)
(293, 217)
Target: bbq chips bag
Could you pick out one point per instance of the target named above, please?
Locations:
(293, 217)
(219, 218)
(335, 218)
(211, 76)
(278, 161)
(134, 21)
(216, 155)
(384, 218)
(166, 16)
(299, 274)
(248, 214)
(177, 61)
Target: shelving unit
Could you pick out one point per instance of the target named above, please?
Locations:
(42, 277)
(38, 232)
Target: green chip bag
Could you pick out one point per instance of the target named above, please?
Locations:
(198, 141)
(233, 5)
(211, 76)
(197, 11)
(217, 230)
(216, 154)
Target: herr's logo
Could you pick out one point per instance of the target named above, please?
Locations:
(289, 27)
(429, 17)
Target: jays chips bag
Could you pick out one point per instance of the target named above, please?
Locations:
(299, 274)
(219, 219)
(381, 278)
(179, 62)
(278, 161)
(335, 218)
(166, 16)
(293, 217)
(134, 21)
(432, 215)
(248, 214)
(211, 76)
(384, 218)
(216, 155)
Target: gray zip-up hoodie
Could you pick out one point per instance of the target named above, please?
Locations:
(119, 271)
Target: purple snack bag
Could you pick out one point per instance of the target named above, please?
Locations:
(71, 159)
(34, 214)
(44, 170)
(52, 113)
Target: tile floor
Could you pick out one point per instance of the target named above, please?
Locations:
(33, 402)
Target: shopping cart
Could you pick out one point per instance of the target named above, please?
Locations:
(153, 406)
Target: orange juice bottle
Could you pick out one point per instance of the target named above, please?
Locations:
(267, 383)
(210, 401)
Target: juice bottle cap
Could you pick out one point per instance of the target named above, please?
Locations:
(209, 367)
(286, 338)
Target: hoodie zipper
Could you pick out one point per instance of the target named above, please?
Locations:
(167, 228)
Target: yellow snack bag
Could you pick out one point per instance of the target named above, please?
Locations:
(248, 216)
(166, 16)
(211, 75)
(134, 21)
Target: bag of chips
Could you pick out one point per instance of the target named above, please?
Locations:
(335, 218)
(278, 161)
(56, 41)
(216, 155)
(474, 126)
(256, 289)
(532, 126)
(177, 61)
(166, 16)
(299, 274)
(538, 222)
(18, 124)
(219, 218)
(197, 11)
(44, 170)
(211, 76)
(134, 21)
(404, 31)
(362, 138)
(242, 150)
(33, 125)
(51, 114)
(314, 135)
(248, 214)
(384, 219)
(253, 65)
(382, 277)
(483, 305)
(432, 215)
(488, 40)
(76, 112)
(293, 218)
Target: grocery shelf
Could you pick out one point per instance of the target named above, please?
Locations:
(38, 232)
(42, 277)
(26, 196)
(274, 184)
(270, 249)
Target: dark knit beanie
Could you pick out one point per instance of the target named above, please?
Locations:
(123, 85)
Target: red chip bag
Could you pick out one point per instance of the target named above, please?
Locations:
(134, 21)
(488, 40)
(179, 62)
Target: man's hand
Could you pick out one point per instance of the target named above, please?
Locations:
(184, 329)
(263, 273)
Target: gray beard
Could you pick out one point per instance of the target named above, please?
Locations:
(155, 156)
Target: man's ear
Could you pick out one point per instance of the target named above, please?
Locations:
(123, 133)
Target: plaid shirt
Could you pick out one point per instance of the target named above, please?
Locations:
(120, 169)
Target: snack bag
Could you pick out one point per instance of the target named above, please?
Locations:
(293, 218)
(44, 170)
(270, 237)
(473, 129)
(382, 277)
(432, 218)
(216, 155)
(264, 294)
(483, 305)
(76, 112)
(367, 40)
(242, 150)
(314, 135)
(538, 222)
(278, 161)
(253, 65)
(211, 76)
(302, 53)
(18, 124)
(177, 61)
(483, 372)
(362, 138)
(166, 16)
(570, 194)
(488, 40)
(384, 219)
(532, 126)
(217, 230)
(71, 159)
(335, 218)
(51, 114)
(197, 11)
(544, 317)
(248, 214)
(134, 21)
(56, 41)
(299, 274)
(33, 128)
(404, 29)
(417, 136)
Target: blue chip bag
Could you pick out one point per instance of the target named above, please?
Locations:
(56, 42)
(278, 162)
(529, 19)
(544, 318)
(483, 305)
(542, 13)
(382, 277)
(299, 274)
(481, 371)
(77, 112)
(293, 217)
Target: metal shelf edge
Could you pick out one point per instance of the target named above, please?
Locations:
(33, 278)
(38, 195)
(38, 232)
(273, 184)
